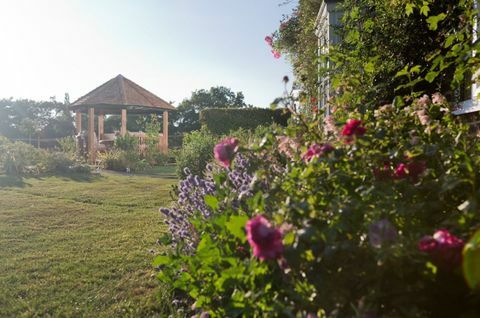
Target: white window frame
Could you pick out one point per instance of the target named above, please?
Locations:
(473, 104)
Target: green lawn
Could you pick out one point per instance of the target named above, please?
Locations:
(76, 246)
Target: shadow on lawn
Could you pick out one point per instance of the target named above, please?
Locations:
(80, 177)
(12, 181)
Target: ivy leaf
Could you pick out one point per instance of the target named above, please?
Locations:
(425, 9)
(434, 20)
(471, 261)
(236, 226)
(409, 8)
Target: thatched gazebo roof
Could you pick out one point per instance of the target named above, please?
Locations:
(121, 93)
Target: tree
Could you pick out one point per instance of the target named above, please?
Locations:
(186, 117)
(25, 118)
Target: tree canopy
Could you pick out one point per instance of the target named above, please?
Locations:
(186, 117)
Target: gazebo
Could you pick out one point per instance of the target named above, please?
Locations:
(118, 96)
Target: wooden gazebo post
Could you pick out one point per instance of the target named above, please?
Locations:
(101, 125)
(78, 121)
(92, 153)
(123, 129)
(165, 131)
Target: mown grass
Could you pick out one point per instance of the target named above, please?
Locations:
(76, 246)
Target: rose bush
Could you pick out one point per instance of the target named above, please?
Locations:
(341, 230)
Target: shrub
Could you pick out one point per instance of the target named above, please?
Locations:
(121, 160)
(23, 159)
(384, 204)
(196, 152)
(68, 145)
(126, 143)
(222, 121)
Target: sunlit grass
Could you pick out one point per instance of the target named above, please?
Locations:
(75, 246)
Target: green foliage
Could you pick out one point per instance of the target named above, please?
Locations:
(123, 160)
(186, 117)
(326, 208)
(223, 121)
(21, 159)
(27, 118)
(296, 38)
(196, 152)
(68, 145)
(126, 143)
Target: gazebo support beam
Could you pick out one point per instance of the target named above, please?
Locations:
(165, 132)
(91, 135)
(78, 121)
(123, 130)
(101, 125)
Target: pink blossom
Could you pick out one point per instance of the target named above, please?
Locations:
(401, 171)
(412, 170)
(265, 239)
(424, 101)
(329, 124)
(444, 248)
(225, 150)
(423, 117)
(269, 40)
(438, 99)
(287, 146)
(316, 151)
(276, 54)
(353, 127)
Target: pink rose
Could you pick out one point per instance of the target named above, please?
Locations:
(412, 170)
(316, 151)
(444, 248)
(276, 54)
(353, 127)
(265, 239)
(225, 150)
(269, 40)
(401, 171)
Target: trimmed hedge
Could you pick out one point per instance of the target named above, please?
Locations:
(223, 120)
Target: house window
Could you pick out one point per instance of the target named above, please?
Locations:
(469, 92)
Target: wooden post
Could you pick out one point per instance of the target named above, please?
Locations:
(123, 130)
(78, 121)
(101, 130)
(165, 131)
(91, 135)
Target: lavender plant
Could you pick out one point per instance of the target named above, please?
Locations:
(191, 199)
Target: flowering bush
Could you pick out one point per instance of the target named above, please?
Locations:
(340, 230)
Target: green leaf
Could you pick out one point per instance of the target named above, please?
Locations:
(471, 261)
(236, 226)
(434, 20)
(369, 67)
(431, 76)
(161, 260)
(211, 201)
(409, 8)
(425, 9)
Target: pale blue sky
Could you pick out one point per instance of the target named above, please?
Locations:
(171, 48)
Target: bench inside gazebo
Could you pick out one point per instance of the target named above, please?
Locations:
(118, 96)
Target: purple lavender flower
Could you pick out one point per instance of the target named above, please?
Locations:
(191, 199)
